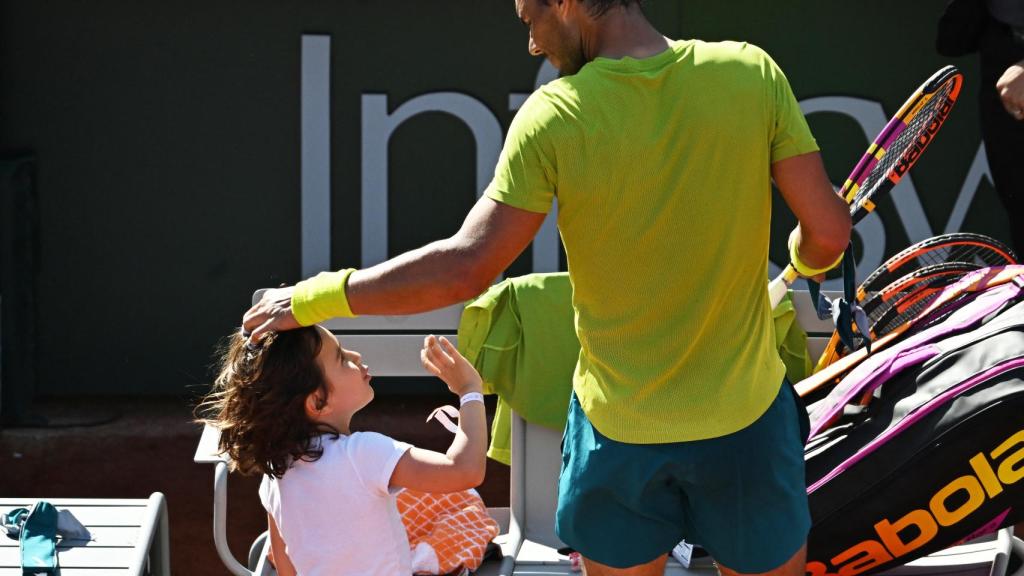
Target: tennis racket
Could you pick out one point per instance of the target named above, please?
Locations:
(940, 308)
(955, 247)
(895, 150)
(963, 247)
(902, 297)
(893, 301)
(909, 306)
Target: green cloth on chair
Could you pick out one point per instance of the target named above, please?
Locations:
(791, 340)
(521, 336)
(501, 434)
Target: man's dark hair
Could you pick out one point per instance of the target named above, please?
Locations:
(598, 8)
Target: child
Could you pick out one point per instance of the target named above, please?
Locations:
(284, 408)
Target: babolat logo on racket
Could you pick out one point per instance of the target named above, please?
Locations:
(950, 505)
(923, 139)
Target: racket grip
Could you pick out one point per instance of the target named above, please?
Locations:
(778, 287)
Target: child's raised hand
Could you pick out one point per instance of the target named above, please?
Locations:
(464, 464)
(441, 359)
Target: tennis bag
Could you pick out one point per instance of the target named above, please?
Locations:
(922, 445)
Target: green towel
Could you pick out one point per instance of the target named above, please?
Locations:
(520, 335)
(791, 340)
(501, 434)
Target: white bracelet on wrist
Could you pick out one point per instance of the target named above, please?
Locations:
(470, 397)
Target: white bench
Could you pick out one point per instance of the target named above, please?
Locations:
(391, 346)
(130, 538)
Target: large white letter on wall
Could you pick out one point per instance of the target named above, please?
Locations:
(315, 98)
(378, 126)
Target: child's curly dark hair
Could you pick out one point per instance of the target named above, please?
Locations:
(258, 401)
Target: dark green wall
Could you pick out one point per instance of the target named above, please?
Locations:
(167, 140)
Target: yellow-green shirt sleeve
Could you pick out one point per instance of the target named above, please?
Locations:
(791, 136)
(525, 176)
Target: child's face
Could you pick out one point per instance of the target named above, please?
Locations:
(348, 382)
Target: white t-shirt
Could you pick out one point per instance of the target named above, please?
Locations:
(337, 514)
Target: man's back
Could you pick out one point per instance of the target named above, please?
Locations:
(661, 169)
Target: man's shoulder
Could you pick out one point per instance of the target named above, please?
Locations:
(545, 108)
(548, 97)
(734, 64)
(727, 51)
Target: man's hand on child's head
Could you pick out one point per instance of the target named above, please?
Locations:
(273, 313)
(442, 359)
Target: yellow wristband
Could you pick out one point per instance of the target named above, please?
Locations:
(322, 297)
(802, 268)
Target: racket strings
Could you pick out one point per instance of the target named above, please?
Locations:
(887, 295)
(903, 142)
(910, 307)
(906, 298)
(936, 316)
(956, 247)
(914, 279)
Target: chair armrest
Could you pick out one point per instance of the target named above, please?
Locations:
(153, 547)
(207, 451)
(220, 517)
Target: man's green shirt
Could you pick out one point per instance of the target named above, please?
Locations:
(661, 170)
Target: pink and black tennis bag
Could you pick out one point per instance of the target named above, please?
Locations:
(921, 446)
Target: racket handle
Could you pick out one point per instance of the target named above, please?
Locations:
(778, 287)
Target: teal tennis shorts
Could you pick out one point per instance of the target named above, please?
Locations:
(741, 496)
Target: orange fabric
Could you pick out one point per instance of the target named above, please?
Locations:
(455, 526)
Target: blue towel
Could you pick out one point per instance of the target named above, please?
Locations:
(37, 535)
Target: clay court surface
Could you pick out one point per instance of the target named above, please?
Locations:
(149, 448)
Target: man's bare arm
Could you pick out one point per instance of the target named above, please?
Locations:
(439, 274)
(824, 217)
(447, 271)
